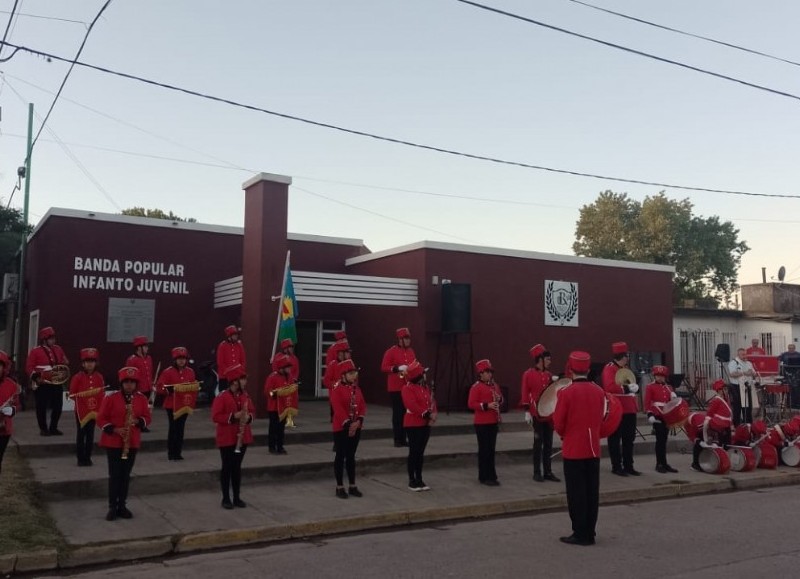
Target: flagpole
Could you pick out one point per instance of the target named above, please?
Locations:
(280, 306)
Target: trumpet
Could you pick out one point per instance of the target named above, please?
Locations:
(126, 438)
(242, 423)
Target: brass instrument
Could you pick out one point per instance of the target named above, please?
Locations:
(152, 400)
(496, 398)
(624, 377)
(126, 438)
(57, 375)
(245, 416)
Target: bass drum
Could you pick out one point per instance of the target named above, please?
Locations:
(769, 455)
(791, 454)
(546, 404)
(612, 417)
(743, 458)
(714, 461)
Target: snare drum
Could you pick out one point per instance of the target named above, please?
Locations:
(694, 425)
(675, 413)
(769, 455)
(743, 458)
(791, 454)
(714, 460)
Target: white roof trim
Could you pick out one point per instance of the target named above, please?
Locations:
(153, 222)
(518, 253)
(275, 178)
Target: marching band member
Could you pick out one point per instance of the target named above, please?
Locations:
(177, 373)
(716, 424)
(87, 389)
(577, 418)
(330, 354)
(279, 378)
(287, 347)
(742, 392)
(232, 412)
(534, 381)
(622, 462)
(395, 362)
(230, 352)
(144, 362)
(420, 415)
(484, 400)
(41, 359)
(349, 410)
(336, 354)
(122, 417)
(655, 396)
(9, 393)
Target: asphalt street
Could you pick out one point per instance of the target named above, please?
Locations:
(741, 534)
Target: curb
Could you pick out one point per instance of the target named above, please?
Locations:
(106, 553)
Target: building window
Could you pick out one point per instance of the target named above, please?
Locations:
(766, 342)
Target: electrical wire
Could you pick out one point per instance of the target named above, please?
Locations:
(56, 18)
(8, 25)
(630, 50)
(685, 33)
(398, 141)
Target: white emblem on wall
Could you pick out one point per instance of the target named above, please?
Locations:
(560, 303)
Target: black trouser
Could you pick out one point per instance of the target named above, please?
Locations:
(736, 403)
(119, 476)
(277, 428)
(582, 478)
(542, 446)
(84, 440)
(48, 396)
(662, 433)
(487, 440)
(175, 434)
(398, 411)
(3, 444)
(417, 441)
(623, 437)
(231, 474)
(345, 458)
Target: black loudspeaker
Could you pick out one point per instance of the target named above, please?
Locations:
(723, 353)
(456, 308)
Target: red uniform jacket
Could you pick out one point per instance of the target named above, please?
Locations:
(343, 397)
(577, 419)
(480, 395)
(229, 354)
(44, 356)
(170, 377)
(719, 409)
(294, 375)
(630, 402)
(656, 393)
(418, 400)
(394, 357)
(273, 382)
(8, 393)
(112, 411)
(329, 379)
(222, 411)
(81, 382)
(145, 365)
(757, 351)
(533, 384)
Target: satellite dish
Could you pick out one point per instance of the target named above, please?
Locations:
(781, 274)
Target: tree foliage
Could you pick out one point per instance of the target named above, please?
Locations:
(705, 251)
(12, 229)
(155, 214)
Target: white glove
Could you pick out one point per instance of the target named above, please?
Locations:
(633, 388)
(8, 411)
(402, 368)
(553, 378)
(704, 444)
(528, 418)
(672, 395)
(651, 419)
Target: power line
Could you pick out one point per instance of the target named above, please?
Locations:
(399, 141)
(8, 26)
(39, 16)
(69, 71)
(685, 33)
(631, 50)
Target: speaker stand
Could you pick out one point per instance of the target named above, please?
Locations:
(454, 368)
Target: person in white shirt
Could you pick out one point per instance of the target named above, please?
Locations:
(742, 388)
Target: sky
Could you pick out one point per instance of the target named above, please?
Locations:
(437, 72)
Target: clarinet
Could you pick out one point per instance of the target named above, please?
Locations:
(126, 439)
(496, 399)
(242, 423)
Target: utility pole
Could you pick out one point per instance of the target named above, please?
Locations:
(23, 247)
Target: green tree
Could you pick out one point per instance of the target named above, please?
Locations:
(156, 214)
(705, 252)
(12, 229)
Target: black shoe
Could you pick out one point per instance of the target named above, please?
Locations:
(414, 486)
(632, 472)
(551, 477)
(226, 504)
(573, 540)
(696, 467)
(400, 444)
(179, 457)
(111, 515)
(537, 476)
(89, 462)
(341, 493)
(670, 469)
(422, 485)
(239, 503)
(282, 450)
(274, 451)
(124, 513)
(56, 432)
(492, 483)
(354, 492)
(661, 468)
(618, 472)
(44, 433)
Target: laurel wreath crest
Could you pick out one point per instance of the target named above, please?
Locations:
(551, 309)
